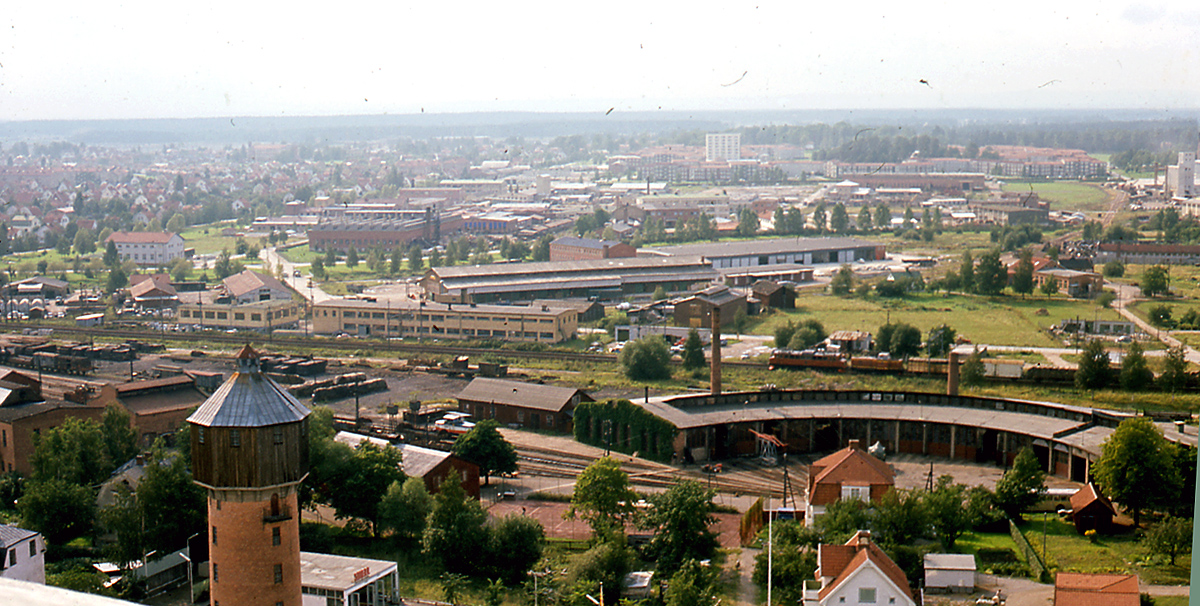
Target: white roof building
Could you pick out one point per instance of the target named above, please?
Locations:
(331, 580)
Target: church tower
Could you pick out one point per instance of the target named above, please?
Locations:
(250, 452)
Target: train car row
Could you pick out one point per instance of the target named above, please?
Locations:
(51, 362)
(1010, 370)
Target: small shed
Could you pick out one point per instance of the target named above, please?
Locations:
(949, 573)
(1091, 510)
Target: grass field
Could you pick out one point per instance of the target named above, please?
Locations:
(1069, 551)
(1064, 195)
(207, 239)
(996, 321)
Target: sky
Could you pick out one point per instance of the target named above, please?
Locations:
(104, 60)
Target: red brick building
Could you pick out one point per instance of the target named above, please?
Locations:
(570, 248)
(850, 473)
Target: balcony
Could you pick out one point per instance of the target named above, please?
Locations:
(279, 514)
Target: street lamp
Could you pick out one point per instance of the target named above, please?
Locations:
(191, 586)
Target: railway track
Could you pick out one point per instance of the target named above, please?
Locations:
(281, 344)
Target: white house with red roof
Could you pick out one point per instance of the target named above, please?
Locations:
(147, 247)
(850, 473)
(857, 573)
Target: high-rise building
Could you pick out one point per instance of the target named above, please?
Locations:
(722, 147)
(250, 452)
(1181, 178)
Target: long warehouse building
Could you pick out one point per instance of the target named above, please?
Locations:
(603, 279)
(373, 317)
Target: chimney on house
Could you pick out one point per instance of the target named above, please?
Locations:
(855, 445)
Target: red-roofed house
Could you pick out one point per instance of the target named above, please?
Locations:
(147, 247)
(858, 572)
(850, 473)
(1090, 510)
(1079, 589)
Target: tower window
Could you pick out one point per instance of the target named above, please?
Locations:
(215, 575)
(214, 535)
(275, 536)
(235, 437)
(279, 435)
(278, 573)
(200, 434)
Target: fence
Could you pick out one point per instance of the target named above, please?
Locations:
(1036, 565)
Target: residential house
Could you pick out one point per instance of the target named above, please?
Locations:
(773, 295)
(525, 404)
(850, 473)
(148, 247)
(1071, 282)
(850, 341)
(153, 291)
(1081, 589)
(22, 555)
(1091, 510)
(857, 573)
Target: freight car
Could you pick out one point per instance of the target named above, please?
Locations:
(44, 361)
(1010, 370)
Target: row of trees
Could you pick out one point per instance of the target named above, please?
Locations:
(1095, 369)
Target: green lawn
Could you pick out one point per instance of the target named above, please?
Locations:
(300, 254)
(1064, 195)
(1069, 551)
(207, 239)
(1007, 320)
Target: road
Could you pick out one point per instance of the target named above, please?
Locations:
(1127, 294)
(303, 284)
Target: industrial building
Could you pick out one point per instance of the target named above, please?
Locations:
(738, 256)
(426, 319)
(363, 235)
(606, 279)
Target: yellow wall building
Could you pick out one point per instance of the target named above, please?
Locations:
(261, 316)
(408, 318)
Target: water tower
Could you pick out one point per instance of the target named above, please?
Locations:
(250, 452)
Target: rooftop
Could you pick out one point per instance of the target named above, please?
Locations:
(710, 250)
(519, 393)
(249, 399)
(340, 573)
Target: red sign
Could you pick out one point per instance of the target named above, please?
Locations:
(362, 574)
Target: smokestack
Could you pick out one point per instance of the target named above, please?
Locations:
(715, 370)
(952, 374)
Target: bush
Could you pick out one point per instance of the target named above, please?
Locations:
(646, 359)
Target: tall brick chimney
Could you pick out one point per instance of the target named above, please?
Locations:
(715, 369)
(952, 374)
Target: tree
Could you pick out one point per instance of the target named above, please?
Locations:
(117, 279)
(1174, 374)
(783, 334)
(1155, 281)
(123, 519)
(839, 221)
(864, 218)
(404, 507)
(693, 351)
(1049, 287)
(793, 551)
(1021, 487)
(842, 518)
(541, 250)
(172, 506)
(484, 446)
(990, 275)
(1022, 282)
(396, 261)
(905, 341)
(809, 333)
(352, 257)
(1135, 372)
(223, 266)
(660, 293)
(515, 543)
(973, 369)
(940, 341)
(370, 472)
(947, 508)
(58, 509)
(966, 273)
(646, 359)
(317, 269)
(747, 223)
(85, 243)
(1160, 316)
(842, 282)
(900, 517)
(455, 532)
(603, 498)
(176, 223)
(1093, 371)
(883, 216)
(74, 452)
(1171, 537)
(1114, 269)
(120, 437)
(680, 518)
(1106, 299)
(819, 218)
(1136, 467)
(693, 584)
(416, 262)
(111, 256)
(180, 269)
